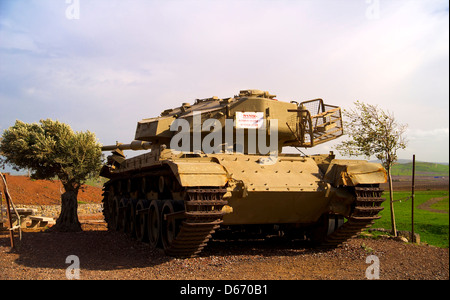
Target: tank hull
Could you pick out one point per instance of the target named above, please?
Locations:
(198, 194)
(287, 191)
(284, 207)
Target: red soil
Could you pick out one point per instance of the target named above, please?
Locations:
(24, 190)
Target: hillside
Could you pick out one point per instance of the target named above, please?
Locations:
(27, 191)
(422, 169)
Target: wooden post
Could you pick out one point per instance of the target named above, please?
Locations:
(412, 198)
(391, 204)
(11, 232)
(8, 210)
(1, 205)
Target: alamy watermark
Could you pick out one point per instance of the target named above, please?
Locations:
(373, 271)
(73, 9)
(373, 9)
(73, 271)
(249, 130)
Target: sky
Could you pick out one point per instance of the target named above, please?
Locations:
(103, 65)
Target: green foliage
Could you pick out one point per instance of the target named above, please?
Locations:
(422, 169)
(433, 227)
(96, 181)
(372, 131)
(50, 149)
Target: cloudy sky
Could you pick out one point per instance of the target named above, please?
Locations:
(102, 65)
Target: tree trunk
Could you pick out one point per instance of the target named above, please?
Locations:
(391, 196)
(68, 218)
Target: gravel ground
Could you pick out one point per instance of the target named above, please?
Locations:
(111, 255)
(53, 211)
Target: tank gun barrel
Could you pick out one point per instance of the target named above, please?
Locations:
(134, 145)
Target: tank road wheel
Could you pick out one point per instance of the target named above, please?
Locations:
(131, 213)
(334, 222)
(124, 219)
(116, 214)
(108, 206)
(169, 224)
(141, 220)
(154, 223)
(365, 211)
(108, 198)
(326, 225)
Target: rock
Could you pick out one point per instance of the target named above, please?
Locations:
(401, 239)
(407, 234)
(365, 234)
(378, 229)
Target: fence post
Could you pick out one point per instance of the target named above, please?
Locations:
(8, 210)
(412, 198)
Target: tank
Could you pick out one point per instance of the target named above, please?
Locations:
(216, 168)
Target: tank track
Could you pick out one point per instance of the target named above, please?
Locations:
(186, 225)
(364, 213)
(203, 215)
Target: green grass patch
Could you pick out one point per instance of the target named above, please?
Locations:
(433, 227)
(422, 169)
(96, 181)
(441, 205)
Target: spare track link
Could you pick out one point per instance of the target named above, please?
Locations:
(365, 212)
(203, 215)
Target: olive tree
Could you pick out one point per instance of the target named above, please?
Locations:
(373, 131)
(51, 149)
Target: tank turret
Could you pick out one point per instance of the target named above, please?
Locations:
(253, 114)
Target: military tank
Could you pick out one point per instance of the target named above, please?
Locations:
(216, 166)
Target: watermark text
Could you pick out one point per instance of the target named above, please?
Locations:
(373, 271)
(73, 271)
(73, 9)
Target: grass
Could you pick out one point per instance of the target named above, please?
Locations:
(96, 181)
(441, 205)
(433, 227)
(422, 169)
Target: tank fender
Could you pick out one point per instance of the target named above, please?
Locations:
(236, 188)
(194, 173)
(340, 201)
(352, 173)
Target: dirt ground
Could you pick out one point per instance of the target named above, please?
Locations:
(111, 255)
(104, 254)
(23, 190)
(421, 183)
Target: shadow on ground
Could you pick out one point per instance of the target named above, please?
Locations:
(106, 250)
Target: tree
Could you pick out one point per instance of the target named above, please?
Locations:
(373, 131)
(52, 149)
